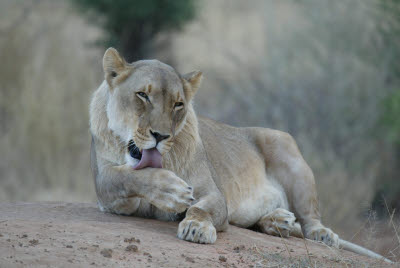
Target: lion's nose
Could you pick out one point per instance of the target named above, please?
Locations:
(159, 137)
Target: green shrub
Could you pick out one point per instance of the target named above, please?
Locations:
(131, 25)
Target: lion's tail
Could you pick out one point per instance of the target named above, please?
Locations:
(343, 244)
(360, 250)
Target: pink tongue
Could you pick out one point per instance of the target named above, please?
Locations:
(150, 158)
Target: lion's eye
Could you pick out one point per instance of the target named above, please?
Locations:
(143, 96)
(178, 105)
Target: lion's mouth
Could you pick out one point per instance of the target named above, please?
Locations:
(147, 157)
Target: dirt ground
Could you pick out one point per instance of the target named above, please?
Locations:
(79, 235)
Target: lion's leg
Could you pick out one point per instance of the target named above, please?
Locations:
(280, 222)
(304, 201)
(204, 219)
(120, 188)
(285, 163)
(122, 206)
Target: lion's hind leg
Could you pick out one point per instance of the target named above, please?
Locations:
(286, 164)
(280, 222)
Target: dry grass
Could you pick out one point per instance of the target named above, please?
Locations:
(282, 259)
(381, 236)
(45, 91)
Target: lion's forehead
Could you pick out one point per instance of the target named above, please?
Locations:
(155, 73)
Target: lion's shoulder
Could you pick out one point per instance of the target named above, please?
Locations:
(106, 143)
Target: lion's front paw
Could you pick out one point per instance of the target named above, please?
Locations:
(323, 234)
(197, 231)
(172, 194)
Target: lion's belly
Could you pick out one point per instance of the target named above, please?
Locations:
(246, 207)
(240, 173)
(249, 191)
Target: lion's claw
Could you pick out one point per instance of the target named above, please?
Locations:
(197, 231)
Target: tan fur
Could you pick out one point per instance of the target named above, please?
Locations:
(244, 176)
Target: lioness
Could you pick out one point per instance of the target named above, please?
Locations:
(153, 157)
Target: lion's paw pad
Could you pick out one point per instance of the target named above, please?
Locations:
(324, 235)
(280, 222)
(197, 231)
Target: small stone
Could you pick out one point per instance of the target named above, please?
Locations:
(107, 252)
(24, 236)
(291, 250)
(34, 242)
(237, 249)
(222, 258)
(132, 248)
(68, 246)
(190, 259)
(132, 240)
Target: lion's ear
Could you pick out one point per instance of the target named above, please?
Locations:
(191, 83)
(113, 65)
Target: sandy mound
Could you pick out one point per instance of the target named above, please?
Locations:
(79, 235)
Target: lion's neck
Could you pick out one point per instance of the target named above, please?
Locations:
(185, 145)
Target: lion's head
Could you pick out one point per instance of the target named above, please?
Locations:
(148, 103)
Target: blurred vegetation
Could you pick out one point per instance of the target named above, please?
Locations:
(44, 94)
(388, 187)
(131, 25)
(390, 30)
(391, 116)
